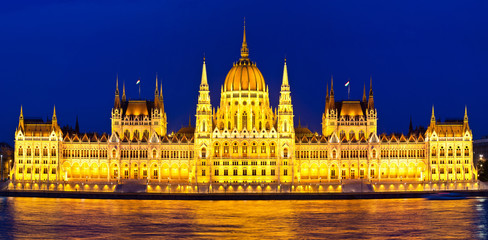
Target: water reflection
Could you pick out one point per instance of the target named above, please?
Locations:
(347, 219)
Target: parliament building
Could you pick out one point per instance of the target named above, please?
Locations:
(243, 145)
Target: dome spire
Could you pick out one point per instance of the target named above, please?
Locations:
(244, 49)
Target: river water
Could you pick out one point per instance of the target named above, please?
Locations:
(33, 218)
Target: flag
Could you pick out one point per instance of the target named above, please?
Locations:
(347, 84)
(138, 81)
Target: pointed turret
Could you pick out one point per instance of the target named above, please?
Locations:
(465, 120)
(285, 85)
(55, 118)
(204, 108)
(327, 98)
(204, 82)
(244, 49)
(156, 94)
(123, 92)
(364, 93)
(432, 117)
(117, 97)
(371, 99)
(285, 107)
(331, 98)
(21, 119)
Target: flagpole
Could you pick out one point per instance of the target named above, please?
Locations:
(348, 91)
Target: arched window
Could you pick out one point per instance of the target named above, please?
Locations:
(449, 151)
(351, 134)
(342, 134)
(361, 133)
(127, 134)
(154, 153)
(434, 152)
(136, 134)
(466, 151)
(235, 148)
(263, 148)
(53, 151)
(29, 152)
(36, 152)
(272, 149)
(114, 153)
(458, 151)
(20, 151)
(253, 120)
(244, 120)
(334, 153)
(44, 151)
(216, 150)
(285, 127)
(244, 149)
(235, 120)
(285, 153)
(441, 152)
(203, 126)
(146, 134)
(374, 153)
(204, 153)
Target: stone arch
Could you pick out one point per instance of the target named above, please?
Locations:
(384, 170)
(402, 170)
(175, 173)
(85, 170)
(184, 171)
(165, 171)
(94, 170)
(314, 171)
(323, 171)
(393, 171)
(304, 170)
(412, 170)
(103, 170)
(76, 170)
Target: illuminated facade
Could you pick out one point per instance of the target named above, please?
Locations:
(244, 141)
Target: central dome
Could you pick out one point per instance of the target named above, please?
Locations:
(244, 75)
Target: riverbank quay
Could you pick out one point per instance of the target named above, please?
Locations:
(220, 196)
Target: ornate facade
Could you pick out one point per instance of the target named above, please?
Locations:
(242, 143)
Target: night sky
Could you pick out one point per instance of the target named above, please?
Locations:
(419, 54)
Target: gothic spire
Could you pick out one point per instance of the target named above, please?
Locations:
(364, 93)
(54, 119)
(21, 119)
(331, 98)
(117, 98)
(371, 99)
(123, 92)
(432, 117)
(244, 49)
(156, 93)
(285, 83)
(204, 82)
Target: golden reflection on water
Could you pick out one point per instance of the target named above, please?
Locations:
(333, 219)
